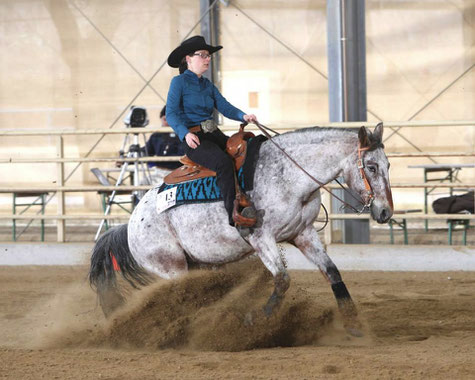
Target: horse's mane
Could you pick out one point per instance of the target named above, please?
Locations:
(323, 129)
(375, 142)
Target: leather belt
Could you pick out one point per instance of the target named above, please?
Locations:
(195, 129)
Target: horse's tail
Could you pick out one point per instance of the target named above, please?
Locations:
(111, 254)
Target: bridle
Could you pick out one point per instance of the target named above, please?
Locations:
(369, 191)
(367, 185)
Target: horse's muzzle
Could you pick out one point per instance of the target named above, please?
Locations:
(383, 215)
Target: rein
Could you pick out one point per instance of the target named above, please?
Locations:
(361, 151)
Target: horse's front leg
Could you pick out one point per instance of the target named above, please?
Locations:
(309, 243)
(266, 249)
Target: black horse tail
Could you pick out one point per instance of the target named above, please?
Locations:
(111, 254)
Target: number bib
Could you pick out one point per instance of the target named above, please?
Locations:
(166, 199)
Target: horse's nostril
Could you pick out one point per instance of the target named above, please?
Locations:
(384, 214)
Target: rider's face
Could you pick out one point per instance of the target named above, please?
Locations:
(199, 62)
(164, 121)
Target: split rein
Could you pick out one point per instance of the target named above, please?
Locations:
(361, 151)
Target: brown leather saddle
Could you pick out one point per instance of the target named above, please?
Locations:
(236, 147)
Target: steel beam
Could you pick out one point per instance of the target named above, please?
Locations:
(210, 31)
(347, 84)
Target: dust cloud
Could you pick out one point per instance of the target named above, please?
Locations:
(206, 310)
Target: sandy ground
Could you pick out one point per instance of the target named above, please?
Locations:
(417, 325)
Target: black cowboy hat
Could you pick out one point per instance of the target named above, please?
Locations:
(189, 46)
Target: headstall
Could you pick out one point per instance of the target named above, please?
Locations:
(367, 185)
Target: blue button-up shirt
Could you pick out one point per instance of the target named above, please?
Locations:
(192, 100)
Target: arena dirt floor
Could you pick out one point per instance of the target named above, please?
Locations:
(418, 325)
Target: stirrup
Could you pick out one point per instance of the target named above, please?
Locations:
(240, 220)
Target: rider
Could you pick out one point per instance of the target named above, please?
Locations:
(190, 104)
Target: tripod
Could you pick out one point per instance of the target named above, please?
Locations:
(140, 173)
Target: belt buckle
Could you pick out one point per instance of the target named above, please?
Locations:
(208, 126)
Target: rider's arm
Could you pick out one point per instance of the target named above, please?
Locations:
(226, 108)
(173, 114)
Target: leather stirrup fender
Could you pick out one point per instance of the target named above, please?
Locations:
(188, 172)
(236, 146)
(242, 198)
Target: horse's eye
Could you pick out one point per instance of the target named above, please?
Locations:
(372, 169)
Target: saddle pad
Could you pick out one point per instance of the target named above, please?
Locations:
(205, 189)
(197, 191)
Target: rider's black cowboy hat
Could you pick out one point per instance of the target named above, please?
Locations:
(189, 46)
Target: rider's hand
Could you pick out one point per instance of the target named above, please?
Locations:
(192, 140)
(250, 118)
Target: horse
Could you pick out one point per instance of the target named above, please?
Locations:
(287, 201)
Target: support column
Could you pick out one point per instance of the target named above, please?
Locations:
(347, 84)
(60, 194)
(210, 31)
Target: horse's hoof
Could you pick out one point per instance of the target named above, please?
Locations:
(354, 332)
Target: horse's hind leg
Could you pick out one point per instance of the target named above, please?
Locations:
(154, 245)
(266, 249)
(309, 243)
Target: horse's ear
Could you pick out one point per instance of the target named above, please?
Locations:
(363, 137)
(378, 132)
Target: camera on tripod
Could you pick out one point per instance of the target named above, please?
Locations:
(138, 171)
(136, 118)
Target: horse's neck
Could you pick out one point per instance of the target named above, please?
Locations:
(322, 152)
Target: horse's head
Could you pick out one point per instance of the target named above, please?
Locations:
(368, 174)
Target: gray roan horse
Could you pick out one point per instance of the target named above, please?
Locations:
(287, 203)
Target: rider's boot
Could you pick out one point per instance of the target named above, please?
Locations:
(246, 218)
